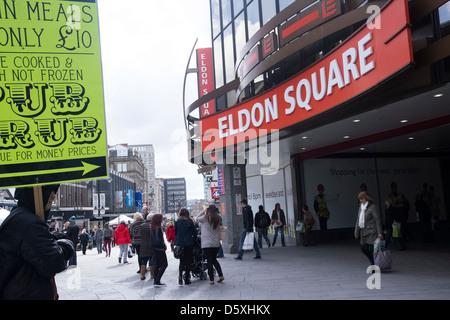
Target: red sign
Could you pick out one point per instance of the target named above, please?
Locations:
(215, 193)
(205, 79)
(363, 61)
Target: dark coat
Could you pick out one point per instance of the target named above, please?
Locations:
(157, 239)
(262, 220)
(29, 257)
(185, 232)
(145, 242)
(282, 216)
(247, 215)
(372, 225)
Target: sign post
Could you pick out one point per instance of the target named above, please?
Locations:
(52, 125)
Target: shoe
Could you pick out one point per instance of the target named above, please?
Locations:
(120, 260)
(284, 245)
(187, 281)
(257, 257)
(142, 272)
(211, 282)
(220, 279)
(159, 284)
(180, 281)
(125, 262)
(268, 244)
(238, 258)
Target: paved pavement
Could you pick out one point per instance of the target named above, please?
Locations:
(328, 271)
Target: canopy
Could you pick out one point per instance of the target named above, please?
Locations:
(119, 219)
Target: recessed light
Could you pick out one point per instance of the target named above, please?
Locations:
(303, 148)
(346, 137)
(404, 121)
(362, 148)
(305, 137)
(411, 138)
(356, 120)
(428, 148)
(438, 95)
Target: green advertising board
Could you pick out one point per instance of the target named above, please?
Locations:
(52, 117)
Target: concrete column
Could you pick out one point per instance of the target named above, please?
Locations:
(235, 186)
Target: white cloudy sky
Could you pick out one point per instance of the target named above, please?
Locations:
(145, 49)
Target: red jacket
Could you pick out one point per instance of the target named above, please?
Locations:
(170, 233)
(122, 234)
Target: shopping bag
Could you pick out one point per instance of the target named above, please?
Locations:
(277, 224)
(382, 259)
(248, 242)
(223, 233)
(396, 233)
(299, 226)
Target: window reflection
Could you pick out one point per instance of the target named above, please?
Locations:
(285, 3)
(269, 10)
(229, 54)
(226, 12)
(238, 5)
(218, 62)
(253, 23)
(215, 17)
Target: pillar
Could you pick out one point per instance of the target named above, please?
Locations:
(234, 182)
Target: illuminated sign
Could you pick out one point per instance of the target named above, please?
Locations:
(52, 125)
(205, 79)
(370, 56)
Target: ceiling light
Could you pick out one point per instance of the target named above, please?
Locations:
(362, 148)
(404, 121)
(356, 120)
(428, 148)
(411, 138)
(438, 95)
(305, 137)
(346, 137)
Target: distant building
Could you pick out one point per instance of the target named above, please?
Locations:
(147, 153)
(174, 195)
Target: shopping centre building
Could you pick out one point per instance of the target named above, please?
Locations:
(337, 93)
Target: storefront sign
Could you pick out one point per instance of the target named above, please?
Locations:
(365, 60)
(52, 124)
(205, 79)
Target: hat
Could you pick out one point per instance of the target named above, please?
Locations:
(72, 218)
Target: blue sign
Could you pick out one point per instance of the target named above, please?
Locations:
(129, 198)
(138, 199)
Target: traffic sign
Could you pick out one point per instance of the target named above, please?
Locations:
(52, 124)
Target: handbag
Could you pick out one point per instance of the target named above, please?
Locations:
(178, 252)
(396, 233)
(130, 252)
(382, 257)
(223, 232)
(277, 224)
(248, 241)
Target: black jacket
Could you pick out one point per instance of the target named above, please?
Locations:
(29, 257)
(185, 232)
(262, 220)
(248, 218)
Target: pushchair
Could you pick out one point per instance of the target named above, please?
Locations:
(199, 268)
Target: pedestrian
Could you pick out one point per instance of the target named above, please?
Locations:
(170, 234)
(247, 217)
(278, 221)
(107, 236)
(145, 250)
(52, 226)
(388, 221)
(368, 225)
(403, 208)
(210, 222)
(123, 240)
(72, 234)
(159, 248)
(424, 214)
(262, 223)
(84, 241)
(30, 256)
(321, 207)
(99, 236)
(185, 235)
(308, 222)
(135, 234)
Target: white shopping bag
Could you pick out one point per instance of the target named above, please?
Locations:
(248, 242)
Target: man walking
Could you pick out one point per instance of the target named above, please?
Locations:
(247, 214)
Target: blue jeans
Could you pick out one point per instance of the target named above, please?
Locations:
(262, 232)
(281, 229)
(255, 245)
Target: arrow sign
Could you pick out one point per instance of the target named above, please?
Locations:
(86, 168)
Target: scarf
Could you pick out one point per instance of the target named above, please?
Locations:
(362, 213)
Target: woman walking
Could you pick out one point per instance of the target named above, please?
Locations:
(159, 248)
(368, 225)
(146, 251)
(185, 234)
(123, 240)
(210, 237)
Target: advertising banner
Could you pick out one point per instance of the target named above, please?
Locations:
(52, 125)
(205, 79)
